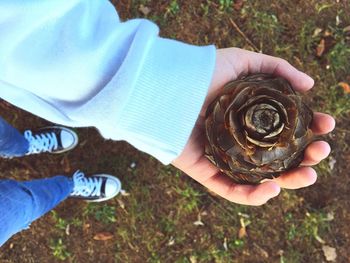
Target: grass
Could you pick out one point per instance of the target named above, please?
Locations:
(311, 227)
(102, 213)
(266, 26)
(226, 5)
(60, 223)
(307, 40)
(314, 226)
(339, 58)
(172, 9)
(188, 200)
(335, 101)
(59, 250)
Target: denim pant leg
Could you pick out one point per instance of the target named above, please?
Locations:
(12, 143)
(23, 202)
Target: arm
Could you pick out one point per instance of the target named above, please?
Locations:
(78, 65)
(75, 63)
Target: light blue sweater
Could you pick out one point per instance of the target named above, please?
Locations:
(74, 63)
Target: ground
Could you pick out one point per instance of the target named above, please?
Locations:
(163, 215)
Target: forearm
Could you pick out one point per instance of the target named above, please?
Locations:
(76, 64)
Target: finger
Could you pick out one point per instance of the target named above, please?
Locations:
(261, 63)
(322, 123)
(316, 152)
(297, 178)
(208, 175)
(242, 194)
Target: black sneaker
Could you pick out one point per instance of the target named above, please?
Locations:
(97, 188)
(51, 139)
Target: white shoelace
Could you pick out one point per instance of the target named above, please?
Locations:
(86, 187)
(45, 142)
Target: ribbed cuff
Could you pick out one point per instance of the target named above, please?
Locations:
(165, 102)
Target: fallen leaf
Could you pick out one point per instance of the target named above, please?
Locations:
(346, 29)
(280, 253)
(317, 31)
(103, 236)
(329, 253)
(121, 203)
(198, 223)
(328, 33)
(320, 48)
(332, 161)
(144, 10)
(225, 244)
(86, 226)
(345, 86)
(171, 241)
(124, 193)
(330, 216)
(204, 213)
(337, 20)
(242, 232)
(67, 230)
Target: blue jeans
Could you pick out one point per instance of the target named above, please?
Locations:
(23, 202)
(12, 143)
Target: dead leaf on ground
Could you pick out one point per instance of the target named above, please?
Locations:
(86, 227)
(225, 244)
(121, 204)
(321, 48)
(328, 33)
(124, 193)
(329, 253)
(331, 162)
(198, 223)
(144, 10)
(345, 86)
(317, 32)
(171, 241)
(103, 236)
(67, 230)
(242, 232)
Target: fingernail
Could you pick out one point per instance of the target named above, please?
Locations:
(309, 81)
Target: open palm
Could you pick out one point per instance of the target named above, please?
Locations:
(230, 64)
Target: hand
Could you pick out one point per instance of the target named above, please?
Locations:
(230, 64)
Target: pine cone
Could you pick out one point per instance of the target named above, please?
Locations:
(256, 128)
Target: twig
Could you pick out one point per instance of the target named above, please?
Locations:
(243, 35)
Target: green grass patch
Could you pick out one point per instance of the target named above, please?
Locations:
(102, 213)
(336, 101)
(59, 249)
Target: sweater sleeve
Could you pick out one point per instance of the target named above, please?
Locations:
(76, 64)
